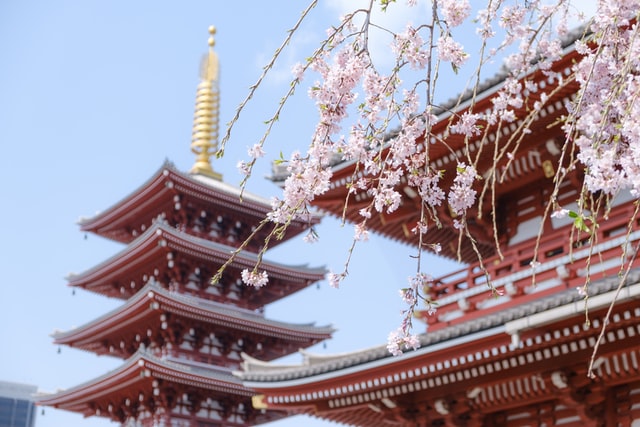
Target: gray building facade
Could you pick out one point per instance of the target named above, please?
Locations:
(17, 406)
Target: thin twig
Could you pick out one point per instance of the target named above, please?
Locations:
(265, 70)
(605, 321)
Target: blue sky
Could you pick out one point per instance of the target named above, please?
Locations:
(94, 96)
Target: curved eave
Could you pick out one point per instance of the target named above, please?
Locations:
(482, 102)
(523, 171)
(143, 309)
(152, 247)
(157, 193)
(568, 304)
(138, 373)
(480, 363)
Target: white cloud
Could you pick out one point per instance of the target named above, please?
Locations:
(394, 19)
(327, 14)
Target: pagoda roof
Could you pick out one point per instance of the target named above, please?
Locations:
(156, 242)
(317, 367)
(525, 169)
(157, 195)
(535, 354)
(143, 312)
(139, 376)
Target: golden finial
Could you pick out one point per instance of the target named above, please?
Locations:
(204, 138)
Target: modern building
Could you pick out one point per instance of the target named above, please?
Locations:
(534, 353)
(17, 404)
(180, 336)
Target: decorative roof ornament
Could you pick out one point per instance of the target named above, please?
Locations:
(204, 139)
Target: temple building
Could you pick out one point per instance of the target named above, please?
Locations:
(521, 358)
(180, 337)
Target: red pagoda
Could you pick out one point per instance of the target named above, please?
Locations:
(519, 359)
(180, 337)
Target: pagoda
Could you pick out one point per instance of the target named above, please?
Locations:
(181, 338)
(535, 352)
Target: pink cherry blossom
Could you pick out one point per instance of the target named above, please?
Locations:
(462, 196)
(411, 47)
(255, 278)
(560, 213)
(455, 12)
(451, 51)
(383, 120)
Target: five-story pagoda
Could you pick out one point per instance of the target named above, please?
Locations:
(181, 337)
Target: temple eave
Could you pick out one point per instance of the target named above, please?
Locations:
(117, 333)
(162, 193)
(546, 367)
(147, 383)
(160, 234)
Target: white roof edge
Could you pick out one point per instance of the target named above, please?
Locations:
(593, 303)
(374, 364)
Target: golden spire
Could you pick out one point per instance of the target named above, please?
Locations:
(204, 139)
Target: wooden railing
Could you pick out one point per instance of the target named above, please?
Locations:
(562, 261)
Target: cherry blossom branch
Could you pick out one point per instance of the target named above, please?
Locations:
(601, 127)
